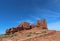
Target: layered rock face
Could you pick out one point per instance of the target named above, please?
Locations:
(11, 30)
(42, 24)
(26, 26)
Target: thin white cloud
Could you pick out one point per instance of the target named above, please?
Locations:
(49, 13)
(53, 14)
(44, 9)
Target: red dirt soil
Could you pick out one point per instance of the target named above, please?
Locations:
(50, 35)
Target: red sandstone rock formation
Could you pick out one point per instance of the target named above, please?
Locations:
(26, 26)
(42, 24)
(39, 22)
(20, 28)
(33, 26)
(8, 31)
(11, 30)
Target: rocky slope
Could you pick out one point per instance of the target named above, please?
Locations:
(50, 35)
(34, 32)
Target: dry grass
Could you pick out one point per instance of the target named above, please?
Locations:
(6, 36)
(33, 33)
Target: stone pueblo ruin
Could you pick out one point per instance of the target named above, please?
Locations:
(26, 26)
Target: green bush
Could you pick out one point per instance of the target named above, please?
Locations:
(29, 34)
(33, 32)
(43, 31)
(11, 35)
(2, 36)
(5, 36)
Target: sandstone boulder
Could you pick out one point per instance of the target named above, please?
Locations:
(8, 31)
(11, 30)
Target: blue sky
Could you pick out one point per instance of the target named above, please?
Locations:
(13, 12)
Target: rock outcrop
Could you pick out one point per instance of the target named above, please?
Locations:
(42, 24)
(8, 31)
(26, 26)
(11, 30)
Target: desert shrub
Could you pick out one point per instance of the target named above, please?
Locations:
(29, 34)
(43, 31)
(6, 36)
(2, 36)
(33, 32)
(11, 35)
